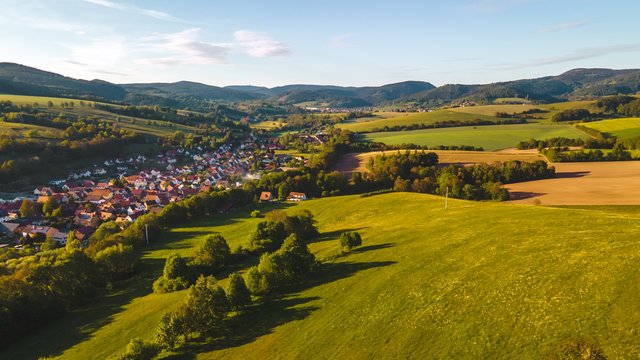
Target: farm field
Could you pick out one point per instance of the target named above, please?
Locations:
(481, 280)
(491, 137)
(139, 125)
(467, 113)
(583, 183)
(386, 119)
(358, 161)
(622, 128)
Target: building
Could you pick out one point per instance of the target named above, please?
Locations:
(296, 196)
(266, 196)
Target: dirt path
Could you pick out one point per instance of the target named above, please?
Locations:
(587, 183)
(358, 161)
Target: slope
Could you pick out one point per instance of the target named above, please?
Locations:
(481, 280)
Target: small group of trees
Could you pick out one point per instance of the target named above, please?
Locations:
(571, 115)
(557, 154)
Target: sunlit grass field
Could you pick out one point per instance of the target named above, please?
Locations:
(479, 280)
(622, 128)
(489, 137)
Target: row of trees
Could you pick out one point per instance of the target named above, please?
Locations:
(571, 115)
(618, 153)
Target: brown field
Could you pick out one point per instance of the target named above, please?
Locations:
(358, 161)
(588, 183)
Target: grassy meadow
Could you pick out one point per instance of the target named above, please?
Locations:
(622, 128)
(491, 137)
(480, 280)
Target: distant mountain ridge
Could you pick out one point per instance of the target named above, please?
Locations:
(574, 84)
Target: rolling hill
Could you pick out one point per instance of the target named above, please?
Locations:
(573, 84)
(480, 280)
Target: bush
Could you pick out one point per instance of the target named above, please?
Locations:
(116, 262)
(350, 240)
(170, 333)
(175, 276)
(580, 350)
(164, 285)
(138, 350)
(255, 213)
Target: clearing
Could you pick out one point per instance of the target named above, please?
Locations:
(622, 128)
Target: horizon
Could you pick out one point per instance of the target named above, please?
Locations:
(276, 44)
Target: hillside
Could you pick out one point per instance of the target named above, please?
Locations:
(480, 280)
(573, 84)
(24, 80)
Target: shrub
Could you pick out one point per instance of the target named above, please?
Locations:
(255, 213)
(237, 292)
(579, 350)
(138, 350)
(350, 240)
(170, 333)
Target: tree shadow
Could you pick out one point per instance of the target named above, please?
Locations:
(372, 247)
(332, 235)
(81, 323)
(571, 174)
(272, 311)
(520, 195)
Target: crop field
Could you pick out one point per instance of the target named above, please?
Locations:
(583, 183)
(378, 122)
(491, 137)
(622, 128)
(358, 161)
(479, 280)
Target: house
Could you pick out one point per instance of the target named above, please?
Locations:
(296, 196)
(61, 237)
(266, 196)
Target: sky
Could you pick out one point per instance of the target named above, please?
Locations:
(346, 42)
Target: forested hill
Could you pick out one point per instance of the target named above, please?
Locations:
(573, 84)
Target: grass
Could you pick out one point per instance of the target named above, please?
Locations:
(481, 280)
(268, 125)
(622, 128)
(492, 137)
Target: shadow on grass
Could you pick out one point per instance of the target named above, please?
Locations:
(78, 325)
(332, 235)
(372, 247)
(520, 195)
(270, 312)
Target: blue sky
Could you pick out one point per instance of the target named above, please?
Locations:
(270, 43)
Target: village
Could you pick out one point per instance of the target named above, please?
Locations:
(121, 190)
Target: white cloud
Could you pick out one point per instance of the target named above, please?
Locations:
(565, 26)
(184, 48)
(258, 44)
(340, 41)
(134, 9)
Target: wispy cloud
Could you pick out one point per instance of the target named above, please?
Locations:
(340, 41)
(184, 48)
(565, 26)
(579, 54)
(258, 44)
(134, 9)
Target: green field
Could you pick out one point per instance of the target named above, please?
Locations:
(139, 125)
(467, 113)
(480, 280)
(492, 137)
(622, 128)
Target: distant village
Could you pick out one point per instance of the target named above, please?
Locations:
(116, 191)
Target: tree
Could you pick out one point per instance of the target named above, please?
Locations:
(206, 306)
(116, 262)
(170, 333)
(138, 350)
(28, 208)
(49, 244)
(49, 206)
(350, 240)
(237, 292)
(213, 253)
(175, 267)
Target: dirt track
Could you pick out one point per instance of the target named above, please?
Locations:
(589, 183)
